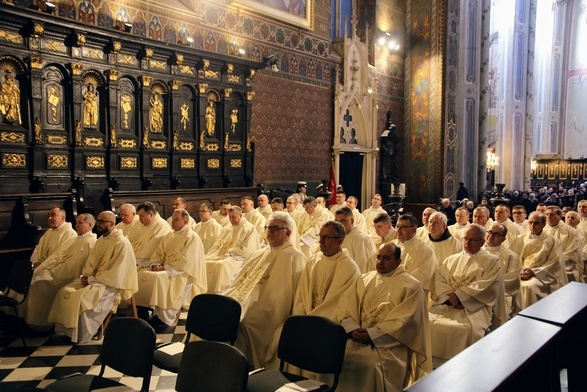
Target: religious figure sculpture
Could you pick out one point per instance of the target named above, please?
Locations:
(38, 132)
(146, 138)
(175, 145)
(10, 100)
(90, 106)
(78, 134)
(233, 120)
(53, 103)
(156, 113)
(210, 118)
(185, 116)
(113, 143)
(126, 108)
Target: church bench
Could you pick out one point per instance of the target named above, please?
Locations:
(163, 199)
(518, 356)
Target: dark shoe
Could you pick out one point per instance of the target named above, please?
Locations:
(157, 323)
(143, 313)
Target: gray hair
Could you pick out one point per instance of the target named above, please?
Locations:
(282, 216)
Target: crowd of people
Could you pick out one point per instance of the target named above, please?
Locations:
(409, 297)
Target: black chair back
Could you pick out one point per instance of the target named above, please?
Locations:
(312, 343)
(208, 366)
(20, 276)
(213, 317)
(128, 347)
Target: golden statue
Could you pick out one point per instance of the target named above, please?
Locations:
(38, 132)
(113, 142)
(78, 134)
(90, 106)
(185, 116)
(126, 108)
(156, 114)
(10, 100)
(53, 103)
(210, 118)
(233, 120)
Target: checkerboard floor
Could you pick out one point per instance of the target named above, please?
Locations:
(45, 359)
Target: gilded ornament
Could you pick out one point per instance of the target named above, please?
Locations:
(57, 161)
(175, 84)
(213, 163)
(38, 132)
(53, 103)
(93, 54)
(210, 117)
(158, 144)
(10, 100)
(185, 115)
(186, 69)
(158, 64)
(202, 87)
(188, 163)
(226, 141)
(80, 39)
(159, 163)
(76, 69)
(233, 120)
(227, 92)
(236, 163)
(78, 134)
(113, 74)
(38, 29)
(179, 59)
(202, 143)
(249, 95)
(175, 145)
(36, 62)
(127, 143)
(90, 107)
(148, 53)
(186, 146)
(234, 78)
(126, 59)
(156, 113)
(93, 142)
(116, 46)
(126, 106)
(93, 162)
(146, 80)
(128, 162)
(249, 141)
(113, 143)
(209, 74)
(205, 64)
(229, 68)
(10, 37)
(146, 138)
(56, 140)
(234, 147)
(54, 46)
(212, 147)
(13, 160)
(11, 137)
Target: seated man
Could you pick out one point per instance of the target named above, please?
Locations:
(340, 201)
(543, 269)
(571, 245)
(519, 214)
(310, 223)
(264, 208)
(277, 204)
(481, 217)
(502, 215)
(383, 228)
(265, 288)
(129, 220)
(207, 228)
(422, 231)
(59, 269)
(440, 240)
(385, 315)
(470, 291)
(179, 203)
(352, 203)
(371, 212)
(462, 217)
(235, 243)
(221, 215)
(360, 246)
(146, 237)
(253, 216)
(59, 235)
(109, 276)
(177, 272)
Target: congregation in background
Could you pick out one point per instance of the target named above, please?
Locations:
(409, 296)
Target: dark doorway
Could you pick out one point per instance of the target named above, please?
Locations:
(351, 174)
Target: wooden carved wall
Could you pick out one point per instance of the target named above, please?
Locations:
(92, 108)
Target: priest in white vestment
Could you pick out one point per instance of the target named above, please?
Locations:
(62, 267)
(371, 212)
(265, 288)
(148, 234)
(502, 215)
(109, 276)
(179, 203)
(310, 224)
(439, 238)
(422, 231)
(385, 315)
(253, 216)
(481, 216)
(236, 242)
(221, 215)
(462, 217)
(340, 201)
(571, 245)
(360, 246)
(352, 203)
(418, 259)
(582, 210)
(519, 214)
(263, 206)
(384, 229)
(129, 220)
(59, 235)
(177, 272)
(542, 259)
(511, 265)
(207, 228)
(470, 292)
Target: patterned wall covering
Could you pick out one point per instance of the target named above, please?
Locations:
(423, 109)
(292, 123)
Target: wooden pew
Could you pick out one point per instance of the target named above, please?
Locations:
(163, 199)
(518, 356)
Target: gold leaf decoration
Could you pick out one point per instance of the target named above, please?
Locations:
(14, 160)
(188, 163)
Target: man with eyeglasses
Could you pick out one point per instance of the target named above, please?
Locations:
(207, 228)
(418, 258)
(440, 240)
(543, 269)
(235, 243)
(129, 220)
(422, 231)
(265, 287)
(340, 201)
(519, 214)
(511, 264)
(60, 235)
(360, 246)
(570, 243)
(146, 237)
(470, 292)
(371, 212)
(502, 215)
(387, 349)
(109, 276)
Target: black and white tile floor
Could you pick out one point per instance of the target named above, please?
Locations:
(45, 359)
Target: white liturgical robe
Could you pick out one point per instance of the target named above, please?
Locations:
(208, 232)
(571, 248)
(511, 266)
(360, 221)
(257, 220)
(370, 214)
(191, 222)
(393, 310)
(52, 241)
(310, 225)
(265, 211)
(182, 255)
(477, 281)
(444, 248)
(112, 277)
(419, 261)
(222, 219)
(127, 228)
(265, 288)
(361, 249)
(145, 239)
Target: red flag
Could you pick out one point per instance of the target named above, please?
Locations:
(332, 185)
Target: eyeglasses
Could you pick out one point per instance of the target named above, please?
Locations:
(403, 227)
(493, 234)
(325, 237)
(473, 239)
(289, 202)
(274, 228)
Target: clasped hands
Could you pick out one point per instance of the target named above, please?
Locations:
(527, 274)
(454, 301)
(361, 335)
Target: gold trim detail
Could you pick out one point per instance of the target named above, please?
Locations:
(76, 68)
(188, 163)
(94, 142)
(36, 62)
(159, 163)
(127, 143)
(14, 160)
(80, 39)
(227, 92)
(234, 78)
(211, 147)
(54, 46)
(38, 29)
(158, 144)
(57, 161)
(10, 37)
(94, 162)
(116, 46)
(146, 80)
(186, 69)
(213, 163)
(113, 74)
(148, 53)
(186, 146)
(92, 53)
(126, 59)
(209, 74)
(179, 59)
(234, 147)
(129, 162)
(12, 137)
(158, 64)
(56, 140)
(249, 95)
(175, 84)
(203, 87)
(236, 163)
